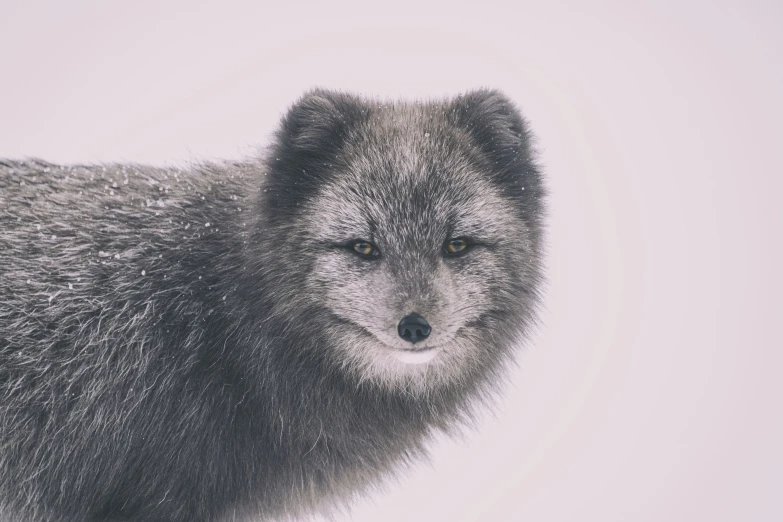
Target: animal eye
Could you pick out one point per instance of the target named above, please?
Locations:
(456, 247)
(365, 248)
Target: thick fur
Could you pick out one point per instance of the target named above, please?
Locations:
(200, 345)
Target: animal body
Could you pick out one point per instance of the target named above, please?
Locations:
(264, 337)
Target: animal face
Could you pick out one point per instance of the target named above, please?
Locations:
(414, 245)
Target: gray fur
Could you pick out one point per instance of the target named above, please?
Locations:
(200, 344)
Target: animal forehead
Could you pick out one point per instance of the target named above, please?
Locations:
(409, 207)
(408, 168)
(407, 172)
(406, 134)
(427, 189)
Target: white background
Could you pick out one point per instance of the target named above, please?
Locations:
(652, 391)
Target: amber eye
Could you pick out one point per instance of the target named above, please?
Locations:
(365, 248)
(456, 246)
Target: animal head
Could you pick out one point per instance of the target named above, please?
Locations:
(415, 227)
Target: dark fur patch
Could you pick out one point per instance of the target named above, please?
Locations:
(306, 147)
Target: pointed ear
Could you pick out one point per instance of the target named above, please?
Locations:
(491, 117)
(309, 138)
(318, 124)
(497, 128)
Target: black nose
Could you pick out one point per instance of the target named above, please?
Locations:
(413, 328)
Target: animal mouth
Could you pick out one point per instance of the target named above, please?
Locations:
(410, 356)
(421, 356)
(415, 349)
(411, 353)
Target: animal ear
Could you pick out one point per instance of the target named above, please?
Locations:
(498, 130)
(306, 145)
(318, 124)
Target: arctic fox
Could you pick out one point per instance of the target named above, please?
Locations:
(265, 337)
